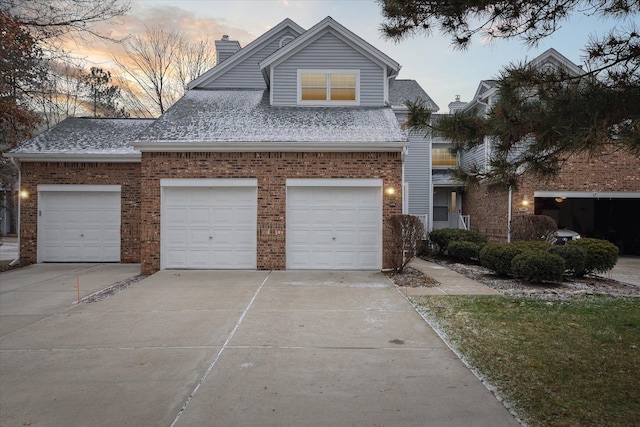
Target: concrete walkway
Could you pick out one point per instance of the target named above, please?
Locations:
(238, 348)
(451, 283)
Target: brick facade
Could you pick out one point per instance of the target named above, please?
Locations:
(127, 175)
(608, 170)
(271, 170)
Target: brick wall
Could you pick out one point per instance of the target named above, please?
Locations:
(271, 170)
(127, 175)
(606, 170)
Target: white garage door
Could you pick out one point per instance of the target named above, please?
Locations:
(76, 225)
(209, 227)
(334, 227)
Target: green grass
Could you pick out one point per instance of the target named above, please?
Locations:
(560, 363)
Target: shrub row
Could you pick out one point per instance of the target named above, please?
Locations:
(443, 238)
(540, 261)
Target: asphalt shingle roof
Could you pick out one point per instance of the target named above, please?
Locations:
(209, 116)
(408, 90)
(85, 135)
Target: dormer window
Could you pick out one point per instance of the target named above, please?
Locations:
(328, 87)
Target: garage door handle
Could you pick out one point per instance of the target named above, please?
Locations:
(82, 235)
(210, 237)
(333, 238)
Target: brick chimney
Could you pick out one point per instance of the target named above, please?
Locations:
(225, 48)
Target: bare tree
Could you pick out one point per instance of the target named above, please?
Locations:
(157, 66)
(53, 19)
(148, 61)
(195, 58)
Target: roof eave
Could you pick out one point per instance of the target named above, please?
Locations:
(262, 147)
(76, 157)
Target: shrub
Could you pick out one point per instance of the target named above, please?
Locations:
(533, 227)
(463, 251)
(601, 254)
(536, 266)
(403, 240)
(531, 245)
(575, 258)
(497, 257)
(443, 237)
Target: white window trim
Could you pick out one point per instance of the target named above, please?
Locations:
(327, 71)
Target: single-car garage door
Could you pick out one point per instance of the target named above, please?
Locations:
(209, 223)
(334, 224)
(79, 223)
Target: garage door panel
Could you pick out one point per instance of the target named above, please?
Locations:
(334, 227)
(220, 230)
(79, 226)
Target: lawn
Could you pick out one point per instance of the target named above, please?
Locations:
(557, 363)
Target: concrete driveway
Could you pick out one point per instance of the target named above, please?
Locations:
(213, 348)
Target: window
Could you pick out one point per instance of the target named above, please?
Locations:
(322, 87)
(443, 157)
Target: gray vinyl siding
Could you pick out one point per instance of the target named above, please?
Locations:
(328, 52)
(476, 157)
(246, 74)
(417, 173)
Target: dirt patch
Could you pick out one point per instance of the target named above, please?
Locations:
(113, 289)
(412, 278)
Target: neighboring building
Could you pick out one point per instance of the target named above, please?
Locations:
(286, 154)
(597, 195)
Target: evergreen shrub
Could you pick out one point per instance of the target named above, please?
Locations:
(463, 251)
(537, 266)
(575, 258)
(602, 255)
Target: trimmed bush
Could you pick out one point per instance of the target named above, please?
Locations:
(602, 255)
(531, 245)
(463, 251)
(497, 257)
(443, 237)
(533, 228)
(575, 258)
(536, 266)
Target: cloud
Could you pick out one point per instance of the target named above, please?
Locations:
(195, 28)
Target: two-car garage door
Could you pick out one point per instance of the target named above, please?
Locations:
(212, 224)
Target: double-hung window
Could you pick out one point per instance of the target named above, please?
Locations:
(328, 87)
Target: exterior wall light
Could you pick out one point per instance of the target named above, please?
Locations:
(24, 194)
(390, 191)
(525, 200)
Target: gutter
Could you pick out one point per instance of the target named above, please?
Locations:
(16, 163)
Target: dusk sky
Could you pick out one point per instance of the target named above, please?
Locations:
(442, 71)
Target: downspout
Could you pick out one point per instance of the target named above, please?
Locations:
(509, 216)
(17, 165)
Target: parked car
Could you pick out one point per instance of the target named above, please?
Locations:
(563, 235)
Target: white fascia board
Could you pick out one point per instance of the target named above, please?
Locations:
(589, 194)
(329, 23)
(208, 182)
(334, 182)
(75, 157)
(78, 187)
(263, 147)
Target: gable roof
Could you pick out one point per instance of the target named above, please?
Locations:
(245, 52)
(85, 138)
(346, 35)
(409, 90)
(243, 120)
